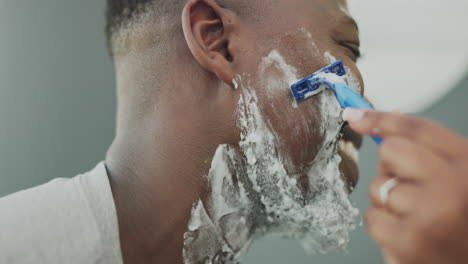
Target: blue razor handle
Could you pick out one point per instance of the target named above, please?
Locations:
(347, 97)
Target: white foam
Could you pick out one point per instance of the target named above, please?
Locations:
(274, 58)
(252, 194)
(353, 81)
(329, 57)
(307, 33)
(330, 77)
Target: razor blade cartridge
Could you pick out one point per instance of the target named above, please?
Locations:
(308, 86)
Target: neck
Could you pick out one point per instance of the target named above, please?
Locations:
(152, 212)
(155, 185)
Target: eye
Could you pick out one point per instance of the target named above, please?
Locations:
(352, 48)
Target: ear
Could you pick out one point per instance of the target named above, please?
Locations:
(207, 28)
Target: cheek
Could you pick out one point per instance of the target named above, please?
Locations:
(297, 128)
(298, 132)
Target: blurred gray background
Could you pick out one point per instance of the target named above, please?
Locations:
(57, 104)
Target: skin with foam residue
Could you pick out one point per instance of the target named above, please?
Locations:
(200, 169)
(266, 198)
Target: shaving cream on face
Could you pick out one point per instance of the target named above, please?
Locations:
(353, 81)
(286, 73)
(252, 195)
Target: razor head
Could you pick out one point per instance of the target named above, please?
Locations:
(309, 86)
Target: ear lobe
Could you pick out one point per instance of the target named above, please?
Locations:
(207, 38)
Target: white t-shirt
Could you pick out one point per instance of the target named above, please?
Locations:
(63, 221)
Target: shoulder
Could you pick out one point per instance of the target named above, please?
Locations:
(57, 220)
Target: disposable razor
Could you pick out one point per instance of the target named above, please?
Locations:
(331, 77)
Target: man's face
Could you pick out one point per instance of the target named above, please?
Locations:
(284, 177)
(294, 39)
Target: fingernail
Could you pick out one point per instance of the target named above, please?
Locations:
(351, 114)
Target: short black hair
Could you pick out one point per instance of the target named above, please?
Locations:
(120, 13)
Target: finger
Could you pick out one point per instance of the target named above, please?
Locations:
(421, 131)
(406, 159)
(402, 199)
(383, 227)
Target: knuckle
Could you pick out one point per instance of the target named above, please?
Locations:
(410, 126)
(372, 118)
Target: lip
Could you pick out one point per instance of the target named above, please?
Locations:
(349, 135)
(350, 171)
(348, 166)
